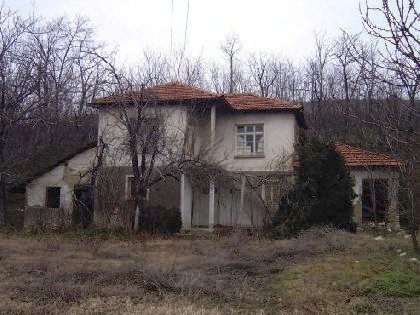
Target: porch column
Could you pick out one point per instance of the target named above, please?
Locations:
(393, 215)
(211, 183)
(357, 202)
(186, 202)
(211, 203)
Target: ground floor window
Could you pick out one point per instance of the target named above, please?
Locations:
(52, 199)
(130, 191)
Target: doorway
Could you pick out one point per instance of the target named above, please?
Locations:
(374, 200)
(83, 205)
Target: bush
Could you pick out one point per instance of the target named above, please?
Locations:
(170, 221)
(289, 218)
(161, 220)
(322, 195)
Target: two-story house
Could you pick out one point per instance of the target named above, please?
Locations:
(250, 137)
(246, 141)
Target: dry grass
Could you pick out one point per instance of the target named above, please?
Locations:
(213, 275)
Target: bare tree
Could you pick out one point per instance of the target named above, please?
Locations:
(16, 85)
(400, 59)
(263, 71)
(231, 46)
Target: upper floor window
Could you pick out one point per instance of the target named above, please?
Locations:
(250, 140)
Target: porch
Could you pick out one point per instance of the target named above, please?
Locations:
(376, 199)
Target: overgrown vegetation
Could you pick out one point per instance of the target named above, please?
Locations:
(321, 271)
(323, 191)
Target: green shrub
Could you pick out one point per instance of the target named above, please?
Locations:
(322, 195)
(289, 218)
(170, 221)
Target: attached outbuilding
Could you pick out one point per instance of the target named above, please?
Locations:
(376, 178)
(52, 194)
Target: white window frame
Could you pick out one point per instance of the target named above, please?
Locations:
(254, 133)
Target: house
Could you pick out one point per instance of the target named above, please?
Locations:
(247, 140)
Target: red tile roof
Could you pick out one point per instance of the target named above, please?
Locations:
(164, 92)
(248, 101)
(176, 91)
(356, 157)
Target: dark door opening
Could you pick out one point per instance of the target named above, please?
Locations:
(83, 205)
(52, 199)
(374, 200)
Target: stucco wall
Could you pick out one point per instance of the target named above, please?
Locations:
(112, 130)
(279, 136)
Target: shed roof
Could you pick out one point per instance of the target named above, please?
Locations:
(357, 157)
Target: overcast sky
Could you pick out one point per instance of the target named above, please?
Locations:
(279, 26)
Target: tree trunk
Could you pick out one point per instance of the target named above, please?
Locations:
(3, 200)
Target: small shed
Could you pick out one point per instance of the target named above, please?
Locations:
(376, 177)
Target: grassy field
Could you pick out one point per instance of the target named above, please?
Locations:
(322, 271)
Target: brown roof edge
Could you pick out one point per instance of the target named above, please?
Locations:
(82, 149)
(358, 157)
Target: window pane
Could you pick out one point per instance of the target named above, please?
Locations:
(259, 128)
(241, 128)
(249, 138)
(250, 147)
(259, 143)
(250, 128)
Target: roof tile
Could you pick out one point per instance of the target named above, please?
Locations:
(249, 101)
(358, 157)
(179, 91)
(163, 92)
